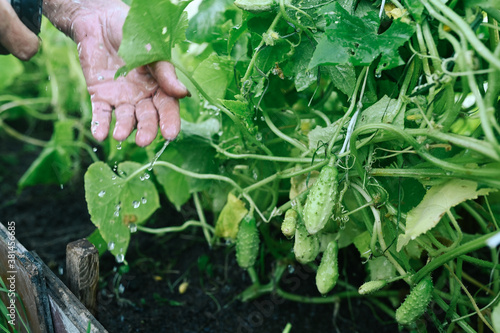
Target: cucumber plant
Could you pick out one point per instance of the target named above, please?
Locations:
(377, 123)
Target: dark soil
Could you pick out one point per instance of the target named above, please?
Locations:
(147, 298)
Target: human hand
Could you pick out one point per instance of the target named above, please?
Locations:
(15, 37)
(145, 98)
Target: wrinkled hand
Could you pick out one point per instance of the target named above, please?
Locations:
(145, 98)
(15, 37)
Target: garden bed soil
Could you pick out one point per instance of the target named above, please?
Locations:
(147, 298)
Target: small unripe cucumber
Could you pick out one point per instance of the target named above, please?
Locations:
(328, 270)
(258, 6)
(289, 223)
(247, 242)
(321, 199)
(415, 303)
(371, 286)
(306, 247)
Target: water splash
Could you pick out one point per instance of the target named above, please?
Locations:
(158, 154)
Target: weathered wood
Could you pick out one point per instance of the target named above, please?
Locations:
(82, 268)
(68, 313)
(22, 273)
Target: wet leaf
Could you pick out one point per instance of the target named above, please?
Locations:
(116, 201)
(151, 30)
(353, 39)
(436, 202)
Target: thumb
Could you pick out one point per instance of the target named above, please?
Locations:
(14, 35)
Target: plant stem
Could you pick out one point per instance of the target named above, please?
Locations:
(457, 252)
(182, 227)
(203, 221)
(297, 144)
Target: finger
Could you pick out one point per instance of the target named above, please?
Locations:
(147, 122)
(125, 121)
(101, 118)
(168, 110)
(164, 73)
(14, 35)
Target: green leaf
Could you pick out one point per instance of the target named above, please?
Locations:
(384, 111)
(356, 40)
(54, 164)
(343, 77)
(229, 218)
(416, 8)
(116, 202)
(175, 184)
(436, 202)
(11, 69)
(151, 30)
(214, 75)
(206, 129)
(297, 66)
(242, 111)
(96, 239)
(204, 26)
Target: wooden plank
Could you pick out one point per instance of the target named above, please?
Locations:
(24, 275)
(68, 313)
(82, 268)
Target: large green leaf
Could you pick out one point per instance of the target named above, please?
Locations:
(118, 202)
(151, 30)
(353, 39)
(436, 202)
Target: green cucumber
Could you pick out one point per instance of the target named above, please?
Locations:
(416, 302)
(328, 270)
(247, 242)
(371, 286)
(258, 6)
(289, 223)
(321, 199)
(306, 246)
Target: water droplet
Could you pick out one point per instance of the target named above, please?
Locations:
(119, 258)
(101, 194)
(113, 177)
(164, 30)
(111, 246)
(94, 149)
(132, 227)
(121, 288)
(378, 74)
(146, 175)
(62, 186)
(291, 269)
(60, 270)
(119, 146)
(136, 204)
(144, 200)
(100, 78)
(258, 136)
